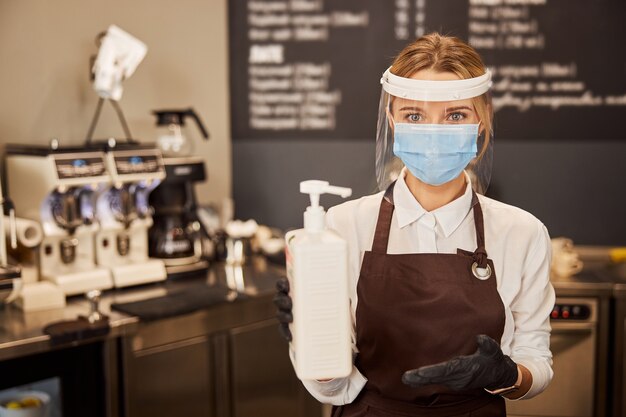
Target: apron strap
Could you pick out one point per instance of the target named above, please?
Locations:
(383, 225)
(385, 214)
(480, 254)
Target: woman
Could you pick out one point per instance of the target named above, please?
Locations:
(450, 289)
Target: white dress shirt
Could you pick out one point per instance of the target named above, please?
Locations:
(516, 241)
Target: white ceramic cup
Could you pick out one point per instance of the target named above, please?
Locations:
(565, 261)
(562, 244)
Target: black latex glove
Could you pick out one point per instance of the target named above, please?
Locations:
(487, 368)
(283, 302)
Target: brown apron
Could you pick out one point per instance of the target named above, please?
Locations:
(421, 309)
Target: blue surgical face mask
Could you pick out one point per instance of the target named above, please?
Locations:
(435, 153)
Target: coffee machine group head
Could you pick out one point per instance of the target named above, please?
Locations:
(57, 187)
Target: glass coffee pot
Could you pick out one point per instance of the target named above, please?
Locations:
(173, 139)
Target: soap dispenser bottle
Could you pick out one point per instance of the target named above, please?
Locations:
(317, 269)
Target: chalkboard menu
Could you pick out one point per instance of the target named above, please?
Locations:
(311, 68)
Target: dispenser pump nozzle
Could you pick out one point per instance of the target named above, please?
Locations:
(314, 214)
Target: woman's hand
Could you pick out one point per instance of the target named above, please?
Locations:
(283, 302)
(487, 368)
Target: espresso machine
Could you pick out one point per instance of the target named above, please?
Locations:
(177, 235)
(124, 214)
(10, 275)
(56, 186)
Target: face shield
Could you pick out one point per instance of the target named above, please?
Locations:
(436, 129)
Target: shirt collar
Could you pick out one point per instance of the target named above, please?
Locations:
(448, 217)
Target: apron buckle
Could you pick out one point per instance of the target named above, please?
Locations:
(481, 273)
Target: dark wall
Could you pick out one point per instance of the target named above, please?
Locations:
(267, 174)
(560, 150)
(575, 188)
(578, 189)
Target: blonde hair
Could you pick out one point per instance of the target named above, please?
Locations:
(447, 54)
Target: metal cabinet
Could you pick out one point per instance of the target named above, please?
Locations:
(619, 352)
(224, 362)
(571, 392)
(170, 380)
(579, 349)
(256, 377)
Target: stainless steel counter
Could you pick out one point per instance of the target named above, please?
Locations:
(595, 282)
(214, 348)
(22, 334)
(226, 360)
